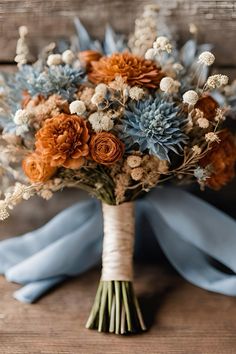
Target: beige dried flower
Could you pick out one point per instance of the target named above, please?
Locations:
(196, 150)
(97, 99)
(169, 85)
(190, 97)
(77, 107)
(68, 57)
(206, 58)
(134, 161)
(136, 93)
(217, 81)
(150, 54)
(101, 89)
(54, 59)
(101, 122)
(46, 194)
(21, 117)
(203, 123)
(3, 211)
(163, 44)
(212, 137)
(220, 115)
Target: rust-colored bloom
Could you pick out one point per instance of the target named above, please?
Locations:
(86, 57)
(221, 158)
(133, 69)
(63, 141)
(36, 169)
(208, 106)
(106, 148)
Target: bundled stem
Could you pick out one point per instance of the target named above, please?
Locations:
(116, 309)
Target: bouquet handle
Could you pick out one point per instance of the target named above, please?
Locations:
(116, 307)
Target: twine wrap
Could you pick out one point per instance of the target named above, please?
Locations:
(118, 243)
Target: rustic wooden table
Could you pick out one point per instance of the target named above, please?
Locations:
(181, 318)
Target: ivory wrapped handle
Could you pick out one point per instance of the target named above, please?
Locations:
(118, 243)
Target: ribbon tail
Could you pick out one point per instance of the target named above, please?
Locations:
(183, 226)
(14, 250)
(33, 291)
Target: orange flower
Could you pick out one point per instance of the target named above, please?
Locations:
(36, 169)
(87, 56)
(208, 106)
(106, 148)
(133, 69)
(221, 158)
(63, 141)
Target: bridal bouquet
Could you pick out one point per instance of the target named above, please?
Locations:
(115, 120)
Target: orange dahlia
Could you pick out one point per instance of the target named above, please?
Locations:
(133, 69)
(36, 169)
(63, 141)
(221, 158)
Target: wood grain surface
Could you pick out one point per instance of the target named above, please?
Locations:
(53, 19)
(181, 318)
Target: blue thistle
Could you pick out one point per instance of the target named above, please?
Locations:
(155, 125)
(61, 80)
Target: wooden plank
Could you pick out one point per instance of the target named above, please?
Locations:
(49, 20)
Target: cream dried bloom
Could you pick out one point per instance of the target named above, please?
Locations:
(54, 59)
(196, 150)
(203, 123)
(21, 117)
(101, 122)
(212, 137)
(178, 67)
(190, 97)
(46, 194)
(134, 161)
(136, 93)
(150, 54)
(68, 57)
(206, 58)
(77, 107)
(216, 81)
(3, 210)
(97, 98)
(169, 85)
(220, 115)
(162, 43)
(101, 89)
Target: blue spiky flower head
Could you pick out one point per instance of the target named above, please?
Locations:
(155, 125)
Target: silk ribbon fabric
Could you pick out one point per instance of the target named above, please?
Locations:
(191, 233)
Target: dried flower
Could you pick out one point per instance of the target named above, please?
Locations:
(206, 58)
(162, 43)
(63, 141)
(21, 117)
(101, 89)
(137, 173)
(106, 148)
(208, 106)
(216, 81)
(46, 194)
(150, 54)
(212, 137)
(77, 107)
(178, 67)
(169, 85)
(136, 93)
(152, 124)
(68, 57)
(133, 69)
(221, 160)
(3, 211)
(97, 98)
(86, 57)
(54, 59)
(196, 150)
(36, 169)
(190, 97)
(134, 161)
(101, 121)
(203, 123)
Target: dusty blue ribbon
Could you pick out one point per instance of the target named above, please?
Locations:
(191, 233)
